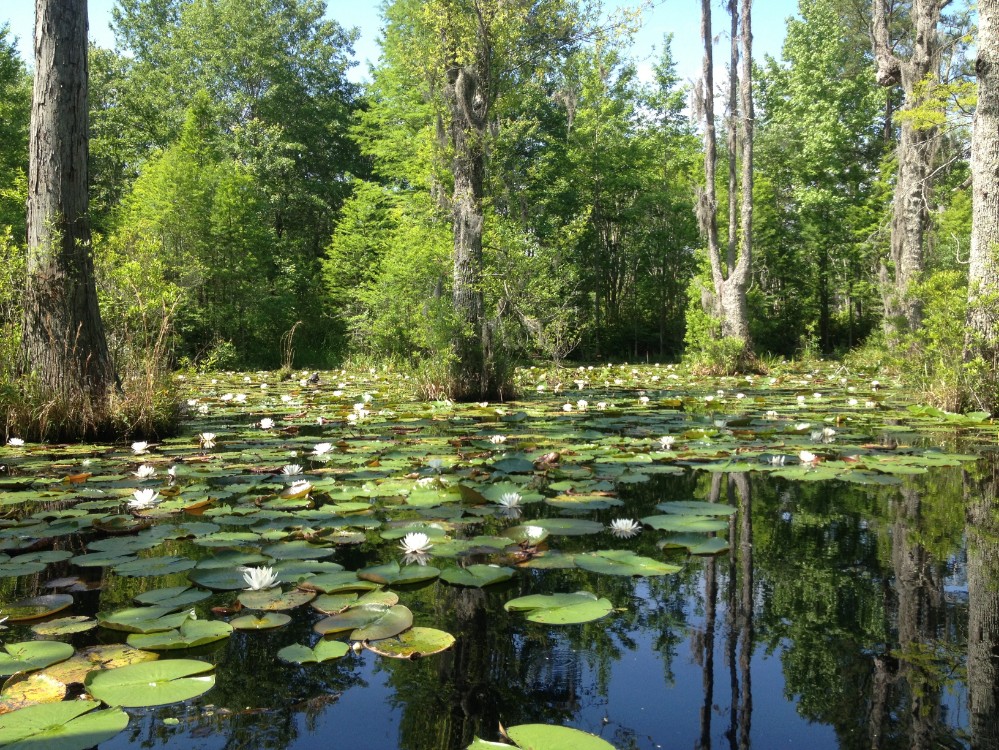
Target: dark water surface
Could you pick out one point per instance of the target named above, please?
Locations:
(842, 616)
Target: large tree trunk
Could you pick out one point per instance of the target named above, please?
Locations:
(729, 275)
(909, 206)
(64, 343)
(982, 530)
(983, 273)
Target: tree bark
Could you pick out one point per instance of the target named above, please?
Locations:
(730, 280)
(63, 343)
(982, 530)
(983, 271)
(909, 206)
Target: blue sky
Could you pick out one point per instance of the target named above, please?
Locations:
(679, 17)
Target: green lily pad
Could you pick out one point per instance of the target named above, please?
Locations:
(569, 526)
(297, 550)
(477, 575)
(323, 651)
(65, 626)
(32, 655)
(262, 621)
(623, 563)
(682, 523)
(218, 579)
(153, 683)
(191, 634)
(274, 599)
(142, 619)
(696, 508)
(368, 622)
(413, 643)
(154, 566)
(549, 737)
(338, 583)
(36, 607)
(696, 544)
(561, 609)
(176, 597)
(392, 573)
(67, 725)
(24, 690)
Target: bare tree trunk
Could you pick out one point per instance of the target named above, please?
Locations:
(64, 343)
(982, 529)
(983, 273)
(730, 278)
(909, 207)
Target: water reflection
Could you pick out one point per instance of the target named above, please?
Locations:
(831, 622)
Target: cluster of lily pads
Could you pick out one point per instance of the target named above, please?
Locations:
(236, 523)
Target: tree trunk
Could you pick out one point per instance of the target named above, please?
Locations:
(467, 105)
(982, 530)
(983, 273)
(64, 343)
(730, 283)
(909, 206)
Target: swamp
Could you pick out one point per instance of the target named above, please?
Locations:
(811, 560)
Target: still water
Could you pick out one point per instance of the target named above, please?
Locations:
(841, 616)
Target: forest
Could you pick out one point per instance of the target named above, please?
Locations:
(506, 189)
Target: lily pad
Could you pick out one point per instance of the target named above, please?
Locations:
(569, 526)
(549, 737)
(413, 643)
(32, 655)
(23, 690)
(262, 621)
(153, 683)
(274, 599)
(368, 622)
(696, 508)
(67, 725)
(392, 573)
(36, 607)
(477, 575)
(142, 619)
(323, 651)
(154, 566)
(681, 523)
(561, 609)
(76, 668)
(65, 626)
(191, 634)
(623, 563)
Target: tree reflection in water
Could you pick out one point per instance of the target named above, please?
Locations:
(849, 599)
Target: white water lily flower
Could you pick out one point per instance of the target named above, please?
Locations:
(207, 439)
(801, 399)
(203, 408)
(778, 460)
(285, 398)
(172, 471)
(807, 457)
(534, 532)
(666, 442)
(291, 469)
(566, 407)
(142, 499)
(140, 447)
(625, 527)
(415, 543)
(322, 449)
(771, 414)
(15, 442)
(852, 402)
(145, 471)
(258, 579)
(225, 397)
(425, 482)
(497, 439)
(266, 423)
(799, 426)
(240, 398)
(601, 404)
(582, 404)
(510, 499)
(302, 485)
(643, 400)
(828, 432)
(366, 398)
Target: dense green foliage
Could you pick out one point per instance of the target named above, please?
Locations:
(241, 183)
